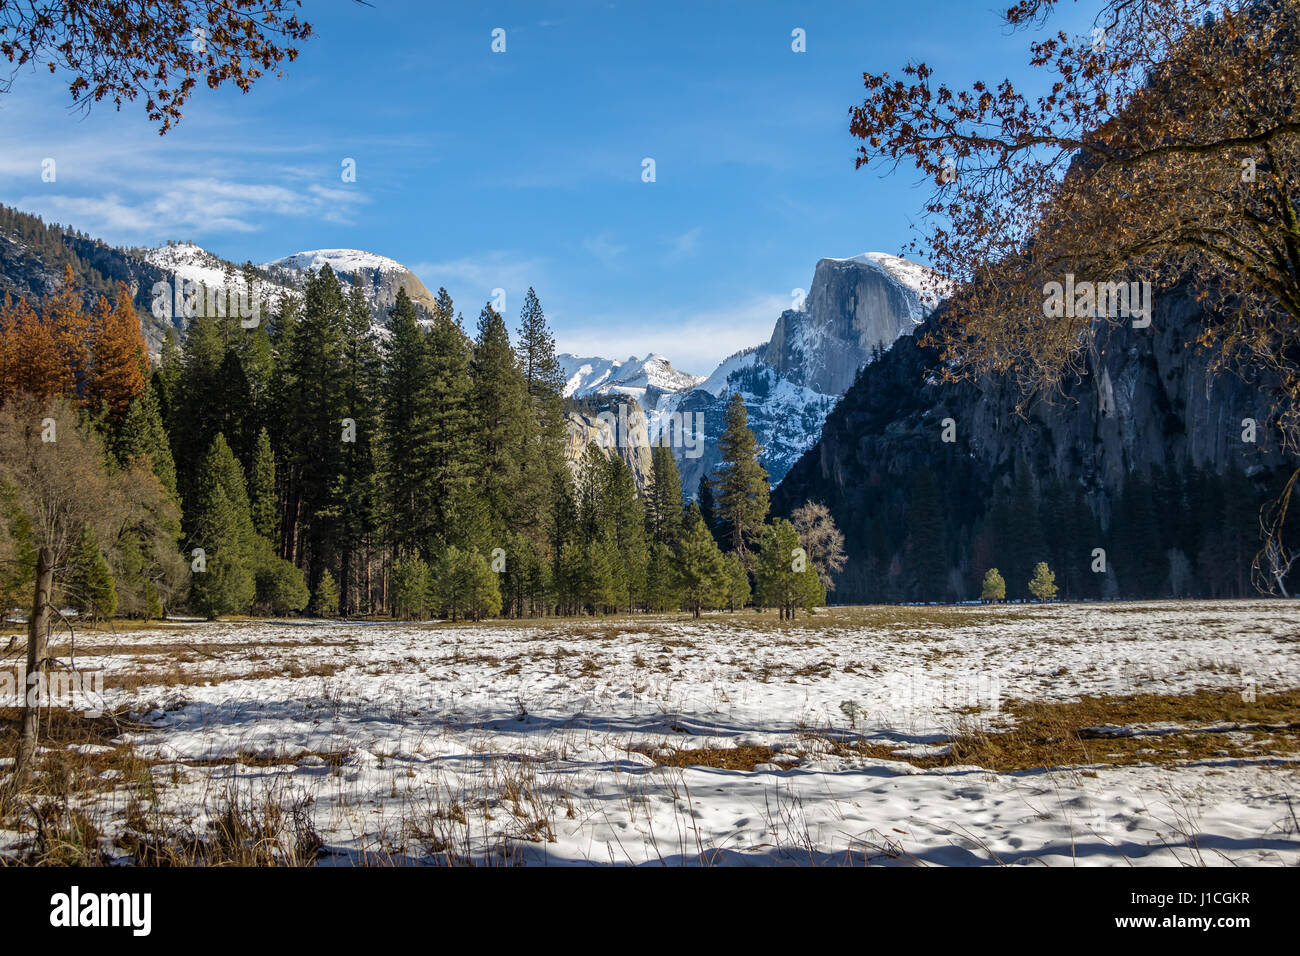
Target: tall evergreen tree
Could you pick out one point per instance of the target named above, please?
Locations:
(143, 435)
(702, 571)
(623, 524)
(407, 416)
(223, 529)
(89, 582)
(262, 488)
(500, 403)
(741, 484)
(664, 507)
(355, 497)
(456, 516)
(786, 579)
(120, 359)
(314, 428)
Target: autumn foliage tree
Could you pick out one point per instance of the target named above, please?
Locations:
(29, 355)
(97, 359)
(155, 50)
(119, 356)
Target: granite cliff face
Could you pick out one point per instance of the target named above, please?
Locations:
(1148, 401)
(604, 426)
(853, 307)
(1145, 407)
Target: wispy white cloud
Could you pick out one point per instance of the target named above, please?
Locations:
(604, 248)
(185, 207)
(684, 246)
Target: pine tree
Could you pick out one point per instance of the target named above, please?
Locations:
(563, 533)
(119, 358)
(90, 583)
(709, 508)
(195, 405)
(17, 552)
(407, 413)
(738, 591)
(543, 380)
(411, 588)
(65, 316)
(664, 509)
(702, 574)
(31, 359)
(482, 591)
(786, 579)
(314, 427)
(499, 402)
(263, 504)
(279, 586)
(741, 483)
(455, 514)
(325, 596)
(994, 588)
(355, 497)
(143, 435)
(166, 377)
(623, 524)
(662, 589)
(1043, 584)
(223, 528)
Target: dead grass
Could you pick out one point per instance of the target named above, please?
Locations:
(725, 758)
(1208, 725)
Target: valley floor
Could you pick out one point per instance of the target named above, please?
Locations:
(1103, 734)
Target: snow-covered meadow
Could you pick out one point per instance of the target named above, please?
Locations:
(724, 740)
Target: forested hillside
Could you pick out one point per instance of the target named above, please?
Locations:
(312, 462)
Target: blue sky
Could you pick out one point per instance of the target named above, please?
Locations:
(481, 170)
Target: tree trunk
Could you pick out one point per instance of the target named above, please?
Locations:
(37, 631)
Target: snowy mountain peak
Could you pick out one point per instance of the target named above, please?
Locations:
(591, 375)
(927, 285)
(379, 276)
(340, 260)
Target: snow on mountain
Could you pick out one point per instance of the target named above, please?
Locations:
(340, 260)
(193, 263)
(379, 276)
(647, 380)
(716, 383)
(926, 284)
(790, 383)
(854, 307)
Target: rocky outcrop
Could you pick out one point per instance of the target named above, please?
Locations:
(380, 277)
(621, 431)
(854, 307)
